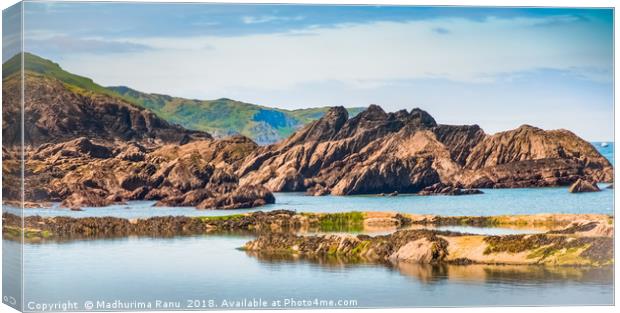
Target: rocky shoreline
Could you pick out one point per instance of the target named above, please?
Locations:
(82, 172)
(573, 246)
(106, 151)
(569, 239)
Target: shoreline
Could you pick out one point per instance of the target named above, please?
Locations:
(58, 204)
(565, 239)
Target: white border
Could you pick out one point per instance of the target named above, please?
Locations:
(518, 3)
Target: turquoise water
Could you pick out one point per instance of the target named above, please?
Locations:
(492, 202)
(607, 152)
(211, 268)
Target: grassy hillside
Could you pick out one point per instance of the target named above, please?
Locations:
(220, 117)
(38, 65)
(223, 116)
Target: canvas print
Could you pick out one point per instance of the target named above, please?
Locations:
(205, 156)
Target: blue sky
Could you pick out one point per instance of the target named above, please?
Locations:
(496, 67)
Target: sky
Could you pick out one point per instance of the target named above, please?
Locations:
(495, 67)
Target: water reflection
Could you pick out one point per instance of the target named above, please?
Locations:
(515, 274)
(437, 273)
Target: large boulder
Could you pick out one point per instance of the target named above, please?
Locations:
(80, 147)
(582, 185)
(248, 196)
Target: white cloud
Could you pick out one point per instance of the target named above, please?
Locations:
(355, 55)
(269, 18)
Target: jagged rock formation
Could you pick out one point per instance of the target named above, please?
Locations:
(379, 152)
(460, 140)
(82, 173)
(371, 153)
(532, 157)
(583, 186)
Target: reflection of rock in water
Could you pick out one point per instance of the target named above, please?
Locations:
(531, 274)
(473, 273)
(328, 261)
(426, 273)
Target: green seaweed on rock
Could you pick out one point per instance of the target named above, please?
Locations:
(349, 221)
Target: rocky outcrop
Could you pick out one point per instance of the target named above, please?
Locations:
(81, 147)
(277, 221)
(246, 196)
(532, 157)
(55, 113)
(91, 148)
(460, 140)
(69, 228)
(373, 152)
(446, 190)
(291, 222)
(82, 173)
(379, 152)
(432, 247)
(582, 185)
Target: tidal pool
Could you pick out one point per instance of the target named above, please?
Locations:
(210, 267)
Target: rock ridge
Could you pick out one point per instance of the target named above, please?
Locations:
(378, 152)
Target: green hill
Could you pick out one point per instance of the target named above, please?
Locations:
(223, 116)
(220, 117)
(41, 66)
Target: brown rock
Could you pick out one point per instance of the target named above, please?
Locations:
(459, 140)
(247, 196)
(132, 152)
(80, 173)
(583, 186)
(447, 190)
(371, 153)
(378, 152)
(55, 113)
(80, 147)
(532, 157)
(87, 198)
(318, 190)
